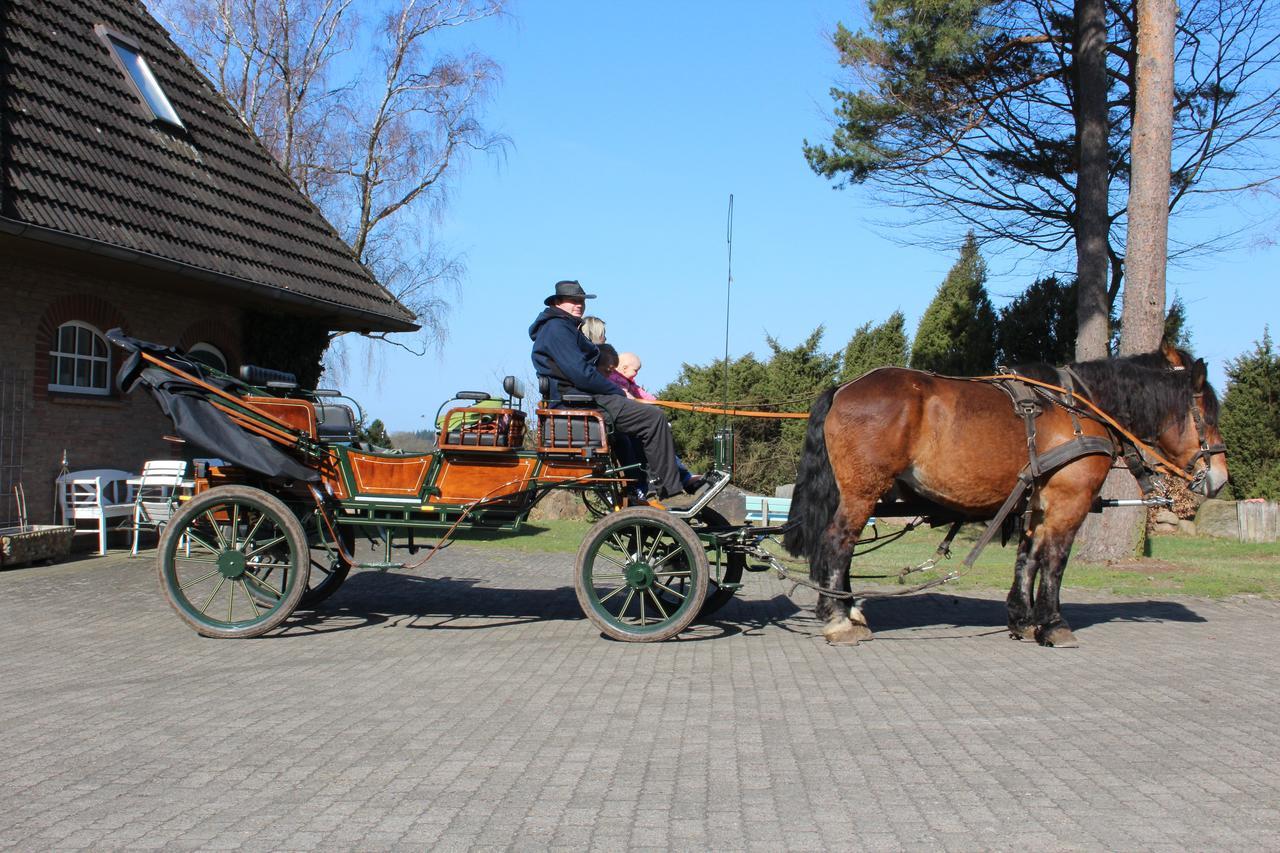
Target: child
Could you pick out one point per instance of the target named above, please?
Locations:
(621, 370)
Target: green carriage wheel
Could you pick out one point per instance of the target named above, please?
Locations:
(232, 562)
(641, 575)
(726, 566)
(329, 569)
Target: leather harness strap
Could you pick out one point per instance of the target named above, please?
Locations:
(1027, 404)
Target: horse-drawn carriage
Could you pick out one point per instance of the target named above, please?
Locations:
(273, 527)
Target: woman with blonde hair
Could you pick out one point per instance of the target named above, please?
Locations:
(592, 329)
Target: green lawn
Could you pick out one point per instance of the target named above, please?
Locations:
(1175, 565)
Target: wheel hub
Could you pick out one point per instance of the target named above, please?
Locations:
(231, 564)
(640, 576)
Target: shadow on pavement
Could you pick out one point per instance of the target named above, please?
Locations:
(932, 609)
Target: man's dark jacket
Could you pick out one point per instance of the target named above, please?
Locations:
(563, 353)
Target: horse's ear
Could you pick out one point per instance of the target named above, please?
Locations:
(1171, 354)
(1199, 374)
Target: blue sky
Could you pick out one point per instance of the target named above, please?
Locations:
(630, 125)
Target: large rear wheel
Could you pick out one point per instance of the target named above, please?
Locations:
(232, 562)
(641, 575)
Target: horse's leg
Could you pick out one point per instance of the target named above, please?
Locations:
(1051, 628)
(843, 624)
(1065, 502)
(1021, 626)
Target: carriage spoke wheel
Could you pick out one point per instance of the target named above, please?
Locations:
(599, 502)
(328, 567)
(641, 575)
(233, 562)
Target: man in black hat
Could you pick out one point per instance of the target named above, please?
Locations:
(563, 354)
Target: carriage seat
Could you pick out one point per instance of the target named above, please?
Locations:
(265, 377)
(489, 424)
(335, 422)
(575, 426)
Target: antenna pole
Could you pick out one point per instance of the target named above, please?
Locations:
(728, 290)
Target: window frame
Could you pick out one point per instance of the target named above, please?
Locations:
(113, 40)
(56, 353)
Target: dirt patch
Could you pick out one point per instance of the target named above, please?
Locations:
(1144, 566)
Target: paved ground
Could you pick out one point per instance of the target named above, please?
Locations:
(475, 708)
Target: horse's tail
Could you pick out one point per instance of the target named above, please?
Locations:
(816, 495)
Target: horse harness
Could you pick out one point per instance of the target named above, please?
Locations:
(1028, 404)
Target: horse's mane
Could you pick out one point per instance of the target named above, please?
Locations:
(1140, 391)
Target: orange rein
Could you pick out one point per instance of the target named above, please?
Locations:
(720, 410)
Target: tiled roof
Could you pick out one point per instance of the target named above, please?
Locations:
(80, 155)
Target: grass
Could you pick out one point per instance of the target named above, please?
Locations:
(1175, 565)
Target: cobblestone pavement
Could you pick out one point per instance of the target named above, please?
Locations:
(473, 707)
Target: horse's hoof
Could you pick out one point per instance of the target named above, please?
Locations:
(847, 634)
(1058, 637)
(1022, 632)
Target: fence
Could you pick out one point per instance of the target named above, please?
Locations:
(1259, 520)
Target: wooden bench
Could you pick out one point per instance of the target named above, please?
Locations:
(767, 511)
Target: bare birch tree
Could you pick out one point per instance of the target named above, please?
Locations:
(373, 143)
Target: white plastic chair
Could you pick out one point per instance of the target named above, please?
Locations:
(97, 495)
(156, 498)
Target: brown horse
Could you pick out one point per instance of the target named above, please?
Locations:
(958, 446)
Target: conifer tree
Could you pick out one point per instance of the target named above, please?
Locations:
(956, 335)
(1250, 421)
(1039, 324)
(882, 346)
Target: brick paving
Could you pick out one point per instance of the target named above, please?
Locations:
(473, 707)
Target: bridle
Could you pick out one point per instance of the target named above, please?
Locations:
(1206, 451)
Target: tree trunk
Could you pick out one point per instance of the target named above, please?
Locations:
(1142, 322)
(1118, 533)
(1089, 55)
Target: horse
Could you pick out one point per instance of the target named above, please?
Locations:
(958, 445)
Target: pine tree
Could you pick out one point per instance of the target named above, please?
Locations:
(956, 335)
(1250, 421)
(882, 346)
(1175, 324)
(1039, 324)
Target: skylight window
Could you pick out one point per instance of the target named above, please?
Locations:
(128, 55)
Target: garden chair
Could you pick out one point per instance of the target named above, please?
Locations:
(156, 497)
(96, 495)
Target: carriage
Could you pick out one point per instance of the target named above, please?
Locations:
(273, 522)
(272, 527)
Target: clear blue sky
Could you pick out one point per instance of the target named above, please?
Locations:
(630, 126)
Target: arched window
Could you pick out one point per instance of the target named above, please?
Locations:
(207, 353)
(80, 361)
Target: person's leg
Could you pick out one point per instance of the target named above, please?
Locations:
(650, 424)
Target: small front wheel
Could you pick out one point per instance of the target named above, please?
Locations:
(641, 575)
(233, 562)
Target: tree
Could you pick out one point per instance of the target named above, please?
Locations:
(374, 150)
(768, 450)
(1250, 421)
(1176, 331)
(967, 114)
(869, 348)
(1039, 324)
(1147, 244)
(376, 434)
(956, 335)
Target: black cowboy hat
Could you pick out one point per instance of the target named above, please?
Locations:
(568, 290)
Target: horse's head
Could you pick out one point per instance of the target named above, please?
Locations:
(1193, 441)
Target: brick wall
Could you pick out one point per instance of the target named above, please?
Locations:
(42, 287)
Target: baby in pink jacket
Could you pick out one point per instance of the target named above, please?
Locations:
(624, 376)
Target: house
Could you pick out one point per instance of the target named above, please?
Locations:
(132, 196)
